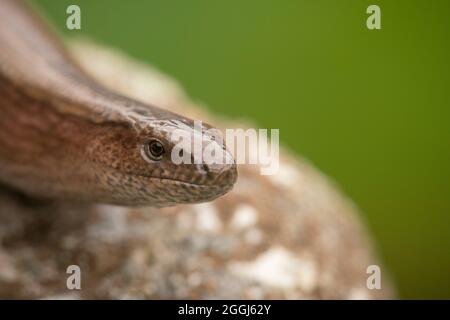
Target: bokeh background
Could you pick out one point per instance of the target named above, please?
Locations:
(370, 108)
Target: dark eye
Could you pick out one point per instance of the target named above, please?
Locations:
(154, 149)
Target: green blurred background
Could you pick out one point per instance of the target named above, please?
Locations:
(369, 108)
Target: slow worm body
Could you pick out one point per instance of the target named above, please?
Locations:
(63, 136)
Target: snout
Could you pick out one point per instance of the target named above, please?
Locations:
(221, 175)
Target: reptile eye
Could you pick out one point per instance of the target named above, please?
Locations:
(154, 149)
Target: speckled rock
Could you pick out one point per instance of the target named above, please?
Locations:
(290, 235)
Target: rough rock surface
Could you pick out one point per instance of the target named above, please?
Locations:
(290, 235)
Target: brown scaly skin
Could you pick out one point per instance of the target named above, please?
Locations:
(64, 136)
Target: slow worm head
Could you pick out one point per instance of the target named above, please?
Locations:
(64, 136)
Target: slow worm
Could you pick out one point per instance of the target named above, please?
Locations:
(64, 136)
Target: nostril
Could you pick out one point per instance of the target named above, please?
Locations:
(203, 168)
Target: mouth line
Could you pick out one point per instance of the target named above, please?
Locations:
(209, 192)
(177, 182)
(172, 181)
